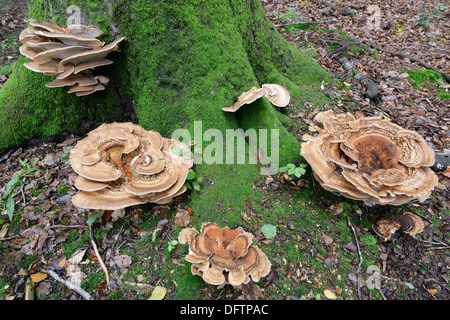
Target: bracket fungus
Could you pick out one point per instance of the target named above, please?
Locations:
(407, 222)
(225, 255)
(369, 159)
(69, 53)
(122, 164)
(277, 95)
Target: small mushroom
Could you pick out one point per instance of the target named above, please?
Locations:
(407, 222)
(65, 52)
(276, 94)
(224, 255)
(123, 160)
(369, 159)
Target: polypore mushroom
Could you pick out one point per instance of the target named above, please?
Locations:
(369, 159)
(127, 162)
(224, 255)
(276, 94)
(407, 222)
(65, 52)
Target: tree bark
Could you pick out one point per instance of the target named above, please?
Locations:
(183, 62)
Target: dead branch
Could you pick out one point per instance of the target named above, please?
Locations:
(403, 55)
(360, 257)
(69, 285)
(97, 254)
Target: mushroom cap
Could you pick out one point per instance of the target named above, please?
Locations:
(72, 80)
(58, 53)
(72, 40)
(91, 65)
(93, 55)
(246, 97)
(407, 222)
(106, 199)
(82, 30)
(45, 45)
(369, 159)
(97, 87)
(28, 51)
(278, 95)
(51, 67)
(51, 27)
(224, 255)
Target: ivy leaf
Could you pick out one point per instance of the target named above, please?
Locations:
(269, 231)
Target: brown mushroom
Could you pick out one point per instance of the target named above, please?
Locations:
(369, 159)
(276, 94)
(224, 255)
(117, 159)
(407, 222)
(65, 52)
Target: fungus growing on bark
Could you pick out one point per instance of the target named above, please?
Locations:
(224, 255)
(276, 94)
(407, 222)
(113, 164)
(66, 52)
(369, 159)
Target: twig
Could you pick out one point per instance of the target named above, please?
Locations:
(360, 257)
(342, 10)
(100, 260)
(403, 55)
(70, 285)
(297, 23)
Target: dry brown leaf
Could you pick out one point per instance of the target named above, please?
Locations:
(77, 256)
(38, 277)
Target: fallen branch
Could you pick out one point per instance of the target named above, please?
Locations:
(97, 254)
(403, 55)
(69, 285)
(343, 11)
(360, 258)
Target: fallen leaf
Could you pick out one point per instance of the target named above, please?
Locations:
(158, 293)
(350, 246)
(327, 239)
(182, 218)
(38, 277)
(122, 260)
(431, 291)
(77, 256)
(330, 295)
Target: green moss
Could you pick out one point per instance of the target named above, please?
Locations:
(61, 189)
(420, 78)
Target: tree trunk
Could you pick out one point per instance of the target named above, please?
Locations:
(183, 62)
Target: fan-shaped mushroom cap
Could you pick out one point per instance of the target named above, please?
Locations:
(51, 67)
(109, 159)
(93, 55)
(224, 255)
(246, 98)
(45, 45)
(72, 40)
(97, 87)
(51, 27)
(70, 81)
(278, 95)
(407, 222)
(91, 65)
(106, 199)
(82, 30)
(58, 53)
(28, 51)
(370, 159)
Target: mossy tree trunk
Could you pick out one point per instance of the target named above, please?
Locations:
(183, 62)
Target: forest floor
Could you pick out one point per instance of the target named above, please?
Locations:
(322, 249)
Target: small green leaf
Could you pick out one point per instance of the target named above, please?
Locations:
(196, 186)
(188, 185)
(92, 219)
(269, 231)
(283, 169)
(11, 184)
(10, 207)
(67, 149)
(191, 175)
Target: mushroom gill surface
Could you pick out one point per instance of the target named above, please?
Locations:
(369, 159)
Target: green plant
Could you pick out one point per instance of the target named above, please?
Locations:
(8, 196)
(191, 184)
(292, 169)
(66, 158)
(426, 18)
(172, 245)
